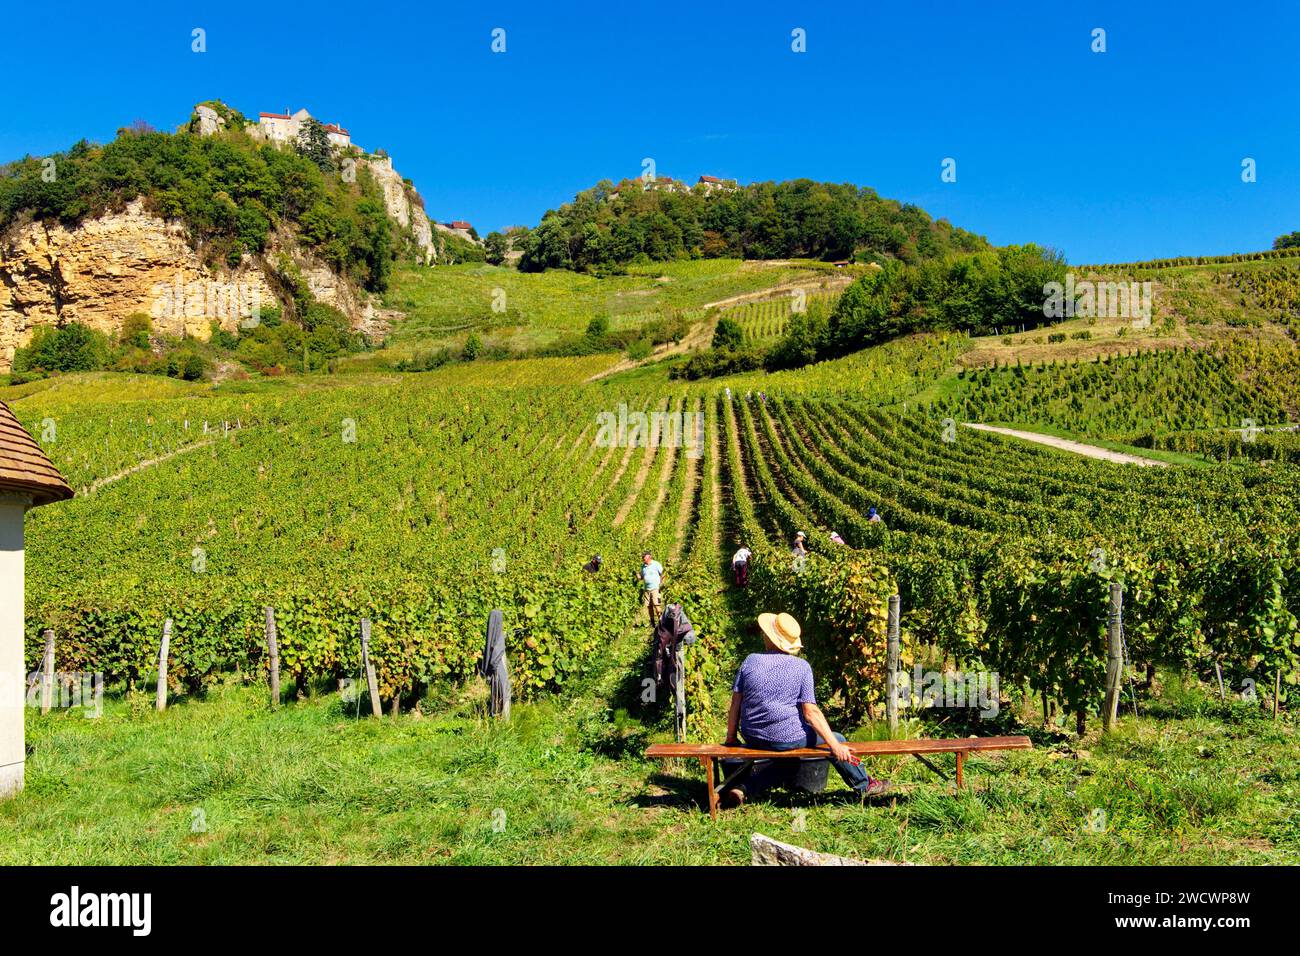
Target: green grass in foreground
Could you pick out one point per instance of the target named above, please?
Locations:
(1205, 783)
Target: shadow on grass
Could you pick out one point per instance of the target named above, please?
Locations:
(682, 790)
(627, 694)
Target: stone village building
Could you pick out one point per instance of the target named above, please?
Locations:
(284, 128)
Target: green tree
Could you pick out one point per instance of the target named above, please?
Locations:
(497, 247)
(805, 339)
(598, 328)
(135, 332)
(728, 334)
(72, 348)
(314, 144)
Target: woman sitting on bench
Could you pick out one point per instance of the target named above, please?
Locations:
(773, 707)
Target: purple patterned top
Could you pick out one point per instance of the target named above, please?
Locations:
(772, 685)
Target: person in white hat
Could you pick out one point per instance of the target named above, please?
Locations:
(799, 549)
(773, 707)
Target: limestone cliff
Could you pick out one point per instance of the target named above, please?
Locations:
(105, 269)
(403, 203)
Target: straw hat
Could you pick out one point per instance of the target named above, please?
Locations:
(783, 631)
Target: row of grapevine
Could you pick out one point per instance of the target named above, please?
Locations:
(1262, 256)
(1003, 554)
(1161, 391)
(419, 511)
(1275, 289)
(766, 320)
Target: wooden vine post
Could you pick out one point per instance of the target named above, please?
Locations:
(47, 674)
(161, 703)
(891, 665)
(1114, 655)
(371, 682)
(273, 648)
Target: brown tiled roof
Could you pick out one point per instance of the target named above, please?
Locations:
(24, 467)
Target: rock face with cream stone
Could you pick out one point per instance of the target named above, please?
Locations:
(105, 269)
(403, 203)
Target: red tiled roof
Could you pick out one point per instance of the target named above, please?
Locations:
(710, 179)
(274, 116)
(336, 128)
(24, 467)
(459, 224)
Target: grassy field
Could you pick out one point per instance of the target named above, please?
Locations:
(443, 304)
(224, 781)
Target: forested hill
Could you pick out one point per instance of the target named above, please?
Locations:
(665, 219)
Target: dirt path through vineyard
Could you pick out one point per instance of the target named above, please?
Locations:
(689, 498)
(1079, 448)
(141, 465)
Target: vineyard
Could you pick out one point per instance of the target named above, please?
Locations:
(520, 310)
(414, 507)
(428, 475)
(1275, 289)
(420, 502)
(411, 504)
(1152, 391)
(1003, 554)
(765, 321)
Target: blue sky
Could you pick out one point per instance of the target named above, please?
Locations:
(1128, 154)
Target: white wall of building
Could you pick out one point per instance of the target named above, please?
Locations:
(13, 675)
(279, 130)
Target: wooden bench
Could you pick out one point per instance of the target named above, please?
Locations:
(708, 754)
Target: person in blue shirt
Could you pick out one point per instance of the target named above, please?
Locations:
(774, 708)
(651, 574)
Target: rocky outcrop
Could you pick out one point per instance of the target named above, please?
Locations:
(402, 202)
(400, 198)
(209, 121)
(103, 270)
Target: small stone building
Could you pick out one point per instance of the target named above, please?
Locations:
(285, 127)
(27, 478)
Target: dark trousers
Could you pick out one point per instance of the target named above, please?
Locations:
(741, 569)
(764, 778)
